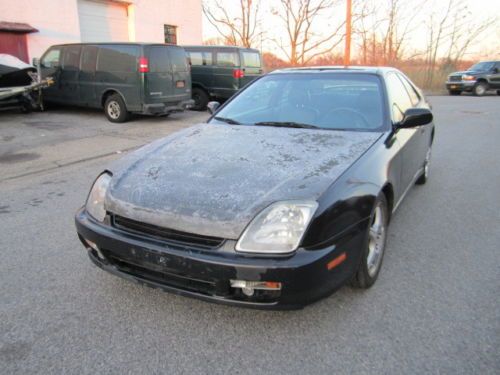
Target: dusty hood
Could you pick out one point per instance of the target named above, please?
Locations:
(213, 179)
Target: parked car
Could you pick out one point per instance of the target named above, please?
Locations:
(218, 72)
(478, 79)
(122, 78)
(285, 194)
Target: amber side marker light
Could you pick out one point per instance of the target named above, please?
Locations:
(336, 261)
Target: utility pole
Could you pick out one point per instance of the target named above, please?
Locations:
(347, 52)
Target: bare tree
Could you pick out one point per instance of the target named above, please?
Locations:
(451, 34)
(383, 29)
(236, 29)
(303, 42)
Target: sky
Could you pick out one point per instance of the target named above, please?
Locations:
(486, 46)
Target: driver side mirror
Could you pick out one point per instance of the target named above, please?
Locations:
(35, 62)
(212, 107)
(415, 117)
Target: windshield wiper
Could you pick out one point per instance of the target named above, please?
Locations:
(286, 124)
(227, 120)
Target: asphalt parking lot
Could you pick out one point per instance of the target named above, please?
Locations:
(435, 308)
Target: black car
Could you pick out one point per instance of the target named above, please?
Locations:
(478, 79)
(282, 197)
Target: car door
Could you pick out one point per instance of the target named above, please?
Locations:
(251, 65)
(495, 76)
(409, 139)
(424, 131)
(226, 65)
(201, 67)
(50, 66)
(181, 79)
(159, 80)
(87, 76)
(70, 69)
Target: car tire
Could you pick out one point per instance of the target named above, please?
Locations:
(454, 92)
(200, 98)
(498, 92)
(373, 251)
(115, 109)
(425, 174)
(480, 89)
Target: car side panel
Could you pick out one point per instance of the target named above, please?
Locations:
(350, 200)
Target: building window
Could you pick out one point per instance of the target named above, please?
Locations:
(170, 34)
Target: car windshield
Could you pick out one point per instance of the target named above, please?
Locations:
(482, 66)
(346, 101)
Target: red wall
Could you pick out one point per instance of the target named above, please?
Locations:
(14, 44)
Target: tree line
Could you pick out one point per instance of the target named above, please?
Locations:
(312, 32)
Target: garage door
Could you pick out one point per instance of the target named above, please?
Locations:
(103, 21)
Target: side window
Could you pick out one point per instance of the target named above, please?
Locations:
(71, 57)
(52, 58)
(414, 96)
(251, 59)
(207, 58)
(227, 59)
(199, 58)
(117, 59)
(89, 59)
(195, 58)
(159, 61)
(400, 101)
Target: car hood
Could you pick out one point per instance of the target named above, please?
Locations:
(213, 179)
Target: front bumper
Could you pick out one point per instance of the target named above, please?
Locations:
(205, 274)
(460, 85)
(166, 108)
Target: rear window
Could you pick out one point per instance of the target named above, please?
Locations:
(178, 59)
(159, 60)
(251, 59)
(227, 59)
(118, 58)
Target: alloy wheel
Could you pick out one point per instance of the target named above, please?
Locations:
(376, 241)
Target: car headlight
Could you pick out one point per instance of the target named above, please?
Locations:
(95, 200)
(467, 77)
(278, 229)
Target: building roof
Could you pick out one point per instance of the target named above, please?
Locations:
(16, 27)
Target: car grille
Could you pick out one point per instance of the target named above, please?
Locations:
(174, 280)
(164, 234)
(455, 78)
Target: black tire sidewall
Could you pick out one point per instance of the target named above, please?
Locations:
(123, 109)
(203, 99)
(362, 278)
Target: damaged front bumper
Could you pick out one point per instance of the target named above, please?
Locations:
(304, 276)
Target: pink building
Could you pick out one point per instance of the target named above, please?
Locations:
(28, 28)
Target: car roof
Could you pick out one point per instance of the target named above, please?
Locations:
(337, 69)
(223, 47)
(116, 43)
